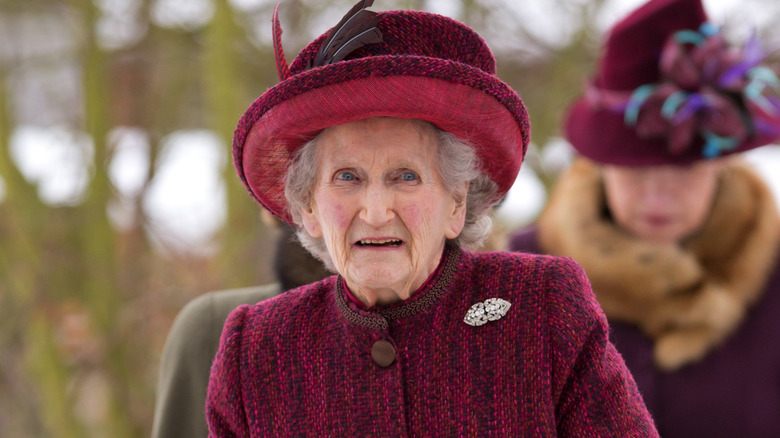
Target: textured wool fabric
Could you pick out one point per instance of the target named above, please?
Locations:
(300, 364)
(427, 67)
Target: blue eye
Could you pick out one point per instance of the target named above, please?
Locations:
(409, 176)
(346, 176)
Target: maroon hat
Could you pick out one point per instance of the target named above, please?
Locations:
(668, 90)
(404, 64)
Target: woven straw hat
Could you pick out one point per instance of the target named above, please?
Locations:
(404, 64)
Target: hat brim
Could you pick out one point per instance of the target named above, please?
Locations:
(456, 98)
(602, 135)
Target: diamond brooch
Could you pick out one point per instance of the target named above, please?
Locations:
(492, 309)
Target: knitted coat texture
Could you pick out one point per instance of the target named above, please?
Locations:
(301, 364)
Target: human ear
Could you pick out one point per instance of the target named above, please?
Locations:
(457, 219)
(310, 222)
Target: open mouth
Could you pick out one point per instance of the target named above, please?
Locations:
(379, 242)
(657, 221)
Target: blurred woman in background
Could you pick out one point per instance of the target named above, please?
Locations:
(678, 237)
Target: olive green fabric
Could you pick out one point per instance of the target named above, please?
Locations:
(186, 360)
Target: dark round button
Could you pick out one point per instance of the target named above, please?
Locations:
(383, 353)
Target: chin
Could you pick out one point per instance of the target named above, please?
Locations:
(378, 278)
(663, 238)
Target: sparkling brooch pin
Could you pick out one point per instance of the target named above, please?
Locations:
(492, 309)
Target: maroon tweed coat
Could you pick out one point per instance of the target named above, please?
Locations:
(301, 363)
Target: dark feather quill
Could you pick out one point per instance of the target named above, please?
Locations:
(355, 30)
(369, 36)
(281, 62)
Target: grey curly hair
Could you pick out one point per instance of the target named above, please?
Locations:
(457, 163)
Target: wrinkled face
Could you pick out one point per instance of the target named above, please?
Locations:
(381, 206)
(661, 204)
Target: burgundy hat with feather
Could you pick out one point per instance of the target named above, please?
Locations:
(669, 90)
(404, 64)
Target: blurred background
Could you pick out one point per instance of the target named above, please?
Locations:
(118, 199)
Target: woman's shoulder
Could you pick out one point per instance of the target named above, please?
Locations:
(292, 316)
(525, 264)
(292, 303)
(552, 291)
(556, 282)
(296, 304)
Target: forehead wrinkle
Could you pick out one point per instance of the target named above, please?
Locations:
(370, 159)
(423, 135)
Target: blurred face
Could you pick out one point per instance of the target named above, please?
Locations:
(661, 204)
(381, 206)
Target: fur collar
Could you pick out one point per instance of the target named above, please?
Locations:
(689, 297)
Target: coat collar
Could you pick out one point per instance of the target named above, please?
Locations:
(422, 300)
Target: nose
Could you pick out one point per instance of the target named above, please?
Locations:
(377, 209)
(658, 188)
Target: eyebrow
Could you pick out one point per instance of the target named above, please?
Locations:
(402, 164)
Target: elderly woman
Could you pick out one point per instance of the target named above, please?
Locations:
(679, 239)
(387, 142)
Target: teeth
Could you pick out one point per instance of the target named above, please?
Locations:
(380, 242)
